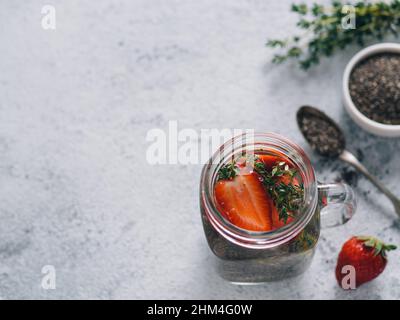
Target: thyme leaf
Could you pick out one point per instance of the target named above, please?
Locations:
(227, 171)
(287, 197)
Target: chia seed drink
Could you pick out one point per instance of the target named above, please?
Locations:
(247, 253)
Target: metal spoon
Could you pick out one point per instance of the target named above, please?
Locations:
(307, 116)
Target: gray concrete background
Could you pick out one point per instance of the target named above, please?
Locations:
(76, 191)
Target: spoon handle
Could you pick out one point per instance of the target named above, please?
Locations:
(352, 160)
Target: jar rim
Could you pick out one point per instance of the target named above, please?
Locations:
(257, 140)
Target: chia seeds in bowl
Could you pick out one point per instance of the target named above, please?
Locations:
(374, 86)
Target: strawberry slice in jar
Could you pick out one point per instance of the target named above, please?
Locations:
(244, 202)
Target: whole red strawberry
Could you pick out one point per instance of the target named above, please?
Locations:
(366, 256)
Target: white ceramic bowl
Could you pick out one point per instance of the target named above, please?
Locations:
(380, 129)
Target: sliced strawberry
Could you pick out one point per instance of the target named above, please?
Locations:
(287, 179)
(244, 202)
(269, 160)
(272, 160)
(276, 222)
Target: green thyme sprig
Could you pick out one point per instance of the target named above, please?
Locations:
(227, 171)
(287, 197)
(324, 34)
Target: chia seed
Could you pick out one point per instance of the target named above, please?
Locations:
(375, 88)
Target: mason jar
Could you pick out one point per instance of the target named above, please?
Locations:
(248, 257)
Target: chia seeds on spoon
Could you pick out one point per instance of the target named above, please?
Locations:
(375, 88)
(323, 135)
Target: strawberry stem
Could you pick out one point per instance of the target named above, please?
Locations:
(378, 245)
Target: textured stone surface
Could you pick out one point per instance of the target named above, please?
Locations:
(76, 191)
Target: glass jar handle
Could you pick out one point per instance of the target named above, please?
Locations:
(338, 204)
